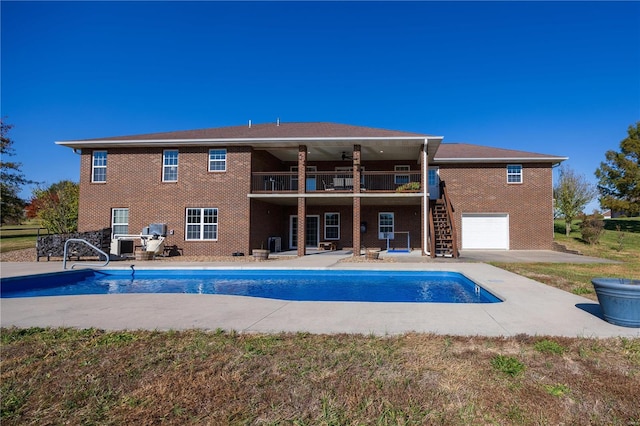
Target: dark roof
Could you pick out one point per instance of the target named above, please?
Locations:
(271, 131)
(461, 152)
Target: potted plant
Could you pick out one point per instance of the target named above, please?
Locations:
(409, 187)
(261, 253)
(619, 300)
(372, 253)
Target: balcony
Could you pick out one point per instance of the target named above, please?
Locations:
(337, 181)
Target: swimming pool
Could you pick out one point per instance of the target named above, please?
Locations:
(294, 285)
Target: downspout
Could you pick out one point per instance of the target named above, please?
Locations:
(425, 199)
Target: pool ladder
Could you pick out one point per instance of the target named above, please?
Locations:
(80, 240)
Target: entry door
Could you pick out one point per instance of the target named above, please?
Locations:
(312, 231)
(433, 177)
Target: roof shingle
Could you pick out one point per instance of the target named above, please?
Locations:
(464, 151)
(271, 131)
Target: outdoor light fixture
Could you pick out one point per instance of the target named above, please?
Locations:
(346, 157)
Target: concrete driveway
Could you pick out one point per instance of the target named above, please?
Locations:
(528, 256)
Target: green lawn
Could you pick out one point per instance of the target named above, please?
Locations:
(18, 237)
(620, 242)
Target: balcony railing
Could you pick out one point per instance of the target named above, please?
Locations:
(287, 182)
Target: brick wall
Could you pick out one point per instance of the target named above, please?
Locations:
(134, 181)
(475, 189)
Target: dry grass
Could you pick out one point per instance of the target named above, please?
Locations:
(60, 376)
(64, 376)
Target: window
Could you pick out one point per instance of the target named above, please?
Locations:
(217, 160)
(170, 165)
(385, 225)
(401, 179)
(119, 221)
(99, 172)
(514, 173)
(202, 224)
(332, 226)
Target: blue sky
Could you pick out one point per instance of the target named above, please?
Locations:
(559, 78)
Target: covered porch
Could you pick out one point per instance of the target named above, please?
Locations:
(338, 222)
(347, 192)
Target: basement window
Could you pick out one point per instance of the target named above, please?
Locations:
(202, 224)
(332, 226)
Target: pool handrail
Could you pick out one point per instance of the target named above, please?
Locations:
(80, 240)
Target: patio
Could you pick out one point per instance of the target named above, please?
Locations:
(529, 307)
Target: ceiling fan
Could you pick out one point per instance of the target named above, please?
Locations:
(346, 157)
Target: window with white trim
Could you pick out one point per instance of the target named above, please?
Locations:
(332, 226)
(217, 160)
(385, 225)
(99, 166)
(119, 221)
(202, 224)
(514, 173)
(401, 179)
(170, 165)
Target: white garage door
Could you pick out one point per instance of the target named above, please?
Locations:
(485, 231)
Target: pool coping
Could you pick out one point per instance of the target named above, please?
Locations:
(528, 307)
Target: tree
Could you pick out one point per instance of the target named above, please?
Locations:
(11, 179)
(572, 193)
(619, 175)
(57, 206)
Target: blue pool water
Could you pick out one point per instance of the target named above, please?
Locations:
(309, 285)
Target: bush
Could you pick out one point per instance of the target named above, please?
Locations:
(591, 228)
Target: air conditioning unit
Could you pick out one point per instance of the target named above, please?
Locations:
(122, 247)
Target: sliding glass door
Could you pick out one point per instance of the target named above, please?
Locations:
(312, 231)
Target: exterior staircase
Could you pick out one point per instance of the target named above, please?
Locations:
(443, 232)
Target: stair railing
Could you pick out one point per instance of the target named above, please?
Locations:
(432, 232)
(452, 222)
(80, 240)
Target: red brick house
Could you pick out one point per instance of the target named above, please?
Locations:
(233, 189)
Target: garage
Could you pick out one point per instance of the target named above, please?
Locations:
(485, 231)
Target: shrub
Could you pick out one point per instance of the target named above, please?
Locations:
(591, 228)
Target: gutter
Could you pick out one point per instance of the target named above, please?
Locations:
(437, 161)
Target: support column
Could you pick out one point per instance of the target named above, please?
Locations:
(302, 201)
(424, 211)
(356, 200)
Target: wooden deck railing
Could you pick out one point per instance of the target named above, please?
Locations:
(342, 181)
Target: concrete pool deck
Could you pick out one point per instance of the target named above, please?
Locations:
(528, 308)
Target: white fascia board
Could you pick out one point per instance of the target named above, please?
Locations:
(225, 141)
